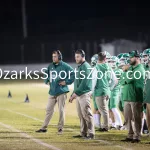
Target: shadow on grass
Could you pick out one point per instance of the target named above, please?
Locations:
(110, 136)
(73, 127)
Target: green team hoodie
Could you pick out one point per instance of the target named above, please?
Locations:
(55, 88)
(102, 85)
(133, 88)
(126, 89)
(82, 83)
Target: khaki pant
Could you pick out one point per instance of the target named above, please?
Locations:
(148, 115)
(85, 114)
(50, 110)
(133, 119)
(102, 104)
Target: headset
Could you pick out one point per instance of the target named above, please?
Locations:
(59, 54)
(81, 52)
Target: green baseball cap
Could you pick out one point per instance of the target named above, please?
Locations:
(134, 53)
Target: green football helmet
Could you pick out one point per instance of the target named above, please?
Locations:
(126, 55)
(146, 55)
(142, 58)
(123, 55)
(120, 55)
(123, 59)
(94, 60)
(108, 56)
(113, 61)
(146, 52)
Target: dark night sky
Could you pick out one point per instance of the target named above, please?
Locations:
(47, 17)
(57, 24)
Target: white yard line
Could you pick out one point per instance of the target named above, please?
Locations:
(30, 137)
(27, 116)
(70, 129)
(24, 115)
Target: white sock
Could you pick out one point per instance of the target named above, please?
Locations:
(117, 116)
(97, 117)
(110, 121)
(94, 117)
(113, 124)
(142, 124)
(144, 116)
(133, 125)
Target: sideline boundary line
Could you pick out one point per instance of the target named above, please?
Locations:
(102, 141)
(29, 137)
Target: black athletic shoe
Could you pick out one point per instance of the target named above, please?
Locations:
(119, 127)
(60, 131)
(103, 130)
(98, 129)
(113, 128)
(41, 131)
(80, 136)
(90, 137)
(136, 141)
(127, 140)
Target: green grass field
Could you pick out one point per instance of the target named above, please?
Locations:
(19, 120)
